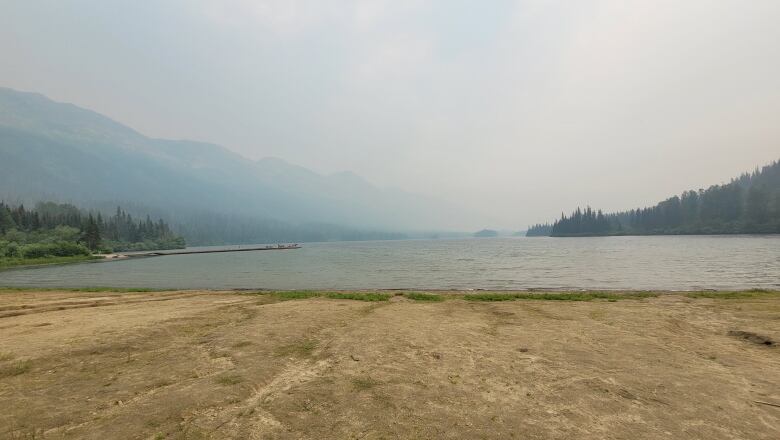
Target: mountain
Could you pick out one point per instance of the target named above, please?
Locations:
(58, 151)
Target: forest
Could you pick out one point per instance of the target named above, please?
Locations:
(53, 230)
(749, 204)
(539, 230)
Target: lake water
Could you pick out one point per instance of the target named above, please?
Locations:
(661, 262)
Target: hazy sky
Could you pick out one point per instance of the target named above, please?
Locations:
(520, 109)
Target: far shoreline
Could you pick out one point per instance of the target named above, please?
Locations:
(551, 294)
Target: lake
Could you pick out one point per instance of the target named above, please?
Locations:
(658, 262)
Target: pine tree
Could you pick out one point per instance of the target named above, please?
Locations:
(757, 204)
(91, 237)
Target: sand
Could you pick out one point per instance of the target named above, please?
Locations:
(226, 365)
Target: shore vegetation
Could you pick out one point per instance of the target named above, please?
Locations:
(748, 204)
(54, 233)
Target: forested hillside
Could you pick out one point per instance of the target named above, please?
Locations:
(539, 230)
(210, 228)
(57, 151)
(52, 230)
(749, 204)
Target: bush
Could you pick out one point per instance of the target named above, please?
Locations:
(59, 249)
(65, 233)
(9, 250)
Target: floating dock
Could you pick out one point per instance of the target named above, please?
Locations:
(279, 247)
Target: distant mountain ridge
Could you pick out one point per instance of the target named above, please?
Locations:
(51, 150)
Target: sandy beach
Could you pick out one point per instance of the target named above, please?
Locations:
(206, 364)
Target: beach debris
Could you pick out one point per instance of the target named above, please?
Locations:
(355, 358)
(752, 337)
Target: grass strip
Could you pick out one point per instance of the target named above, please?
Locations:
(358, 296)
(287, 295)
(420, 296)
(550, 296)
(7, 263)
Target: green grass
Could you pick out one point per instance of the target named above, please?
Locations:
(6, 263)
(549, 296)
(287, 295)
(420, 296)
(742, 294)
(358, 296)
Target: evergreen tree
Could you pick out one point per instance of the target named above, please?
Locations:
(747, 204)
(757, 204)
(539, 230)
(91, 237)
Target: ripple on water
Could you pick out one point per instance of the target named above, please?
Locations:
(701, 262)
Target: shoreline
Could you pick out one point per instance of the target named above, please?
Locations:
(19, 263)
(47, 261)
(446, 293)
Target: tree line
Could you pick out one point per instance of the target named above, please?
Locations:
(52, 229)
(749, 204)
(210, 228)
(539, 230)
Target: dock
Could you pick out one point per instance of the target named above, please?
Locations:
(279, 247)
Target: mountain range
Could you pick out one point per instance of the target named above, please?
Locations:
(58, 151)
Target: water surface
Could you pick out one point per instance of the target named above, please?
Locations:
(660, 262)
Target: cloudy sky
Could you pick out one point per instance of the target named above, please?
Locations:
(518, 109)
